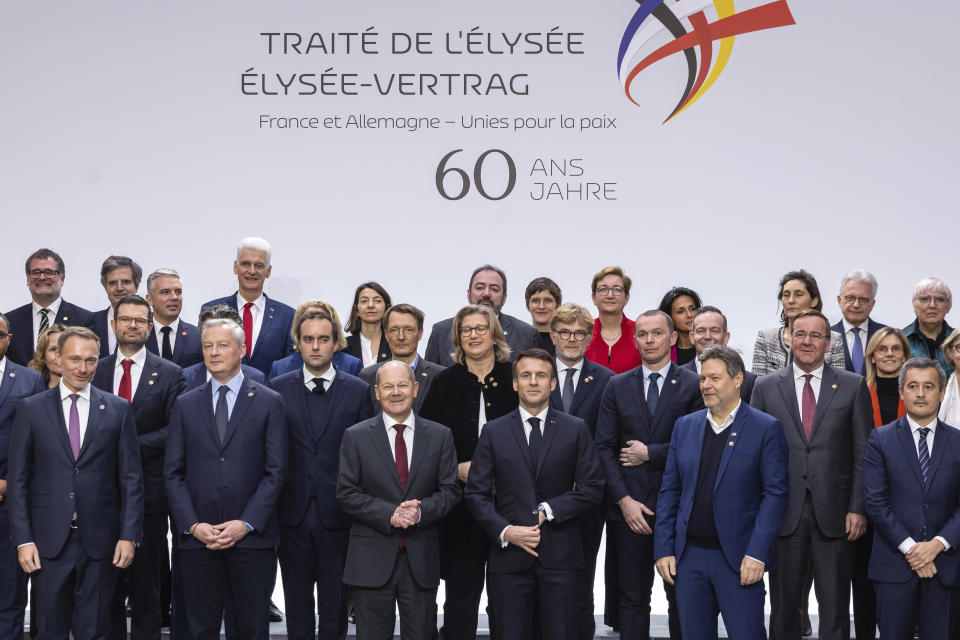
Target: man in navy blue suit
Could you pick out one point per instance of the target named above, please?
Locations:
(76, 494)
(225, 466)
(709, 327)
(911, 476)
(320, 402)
(151, 385)
(16, 383)
(721, 503)
(534, 472)
(46, 273)
(637, 414)
(580, 387)
(266, 322)
(171, 338)
(342, 360)
(120, 277)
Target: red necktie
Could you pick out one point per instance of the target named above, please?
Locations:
(400, 453)
(248, 327)
(809, 406)
(126, 383)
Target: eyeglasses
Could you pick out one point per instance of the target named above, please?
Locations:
(124, 321)
(864, 300)
(49, 273)
(4, 335)
(578, 336)
(955, 347)
(480, 329)
(801, 335)
(396, 331)
(702, 331)
(610, 291)
(938, 301)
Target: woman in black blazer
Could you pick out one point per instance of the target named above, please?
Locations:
(464, 397)
(366, 340)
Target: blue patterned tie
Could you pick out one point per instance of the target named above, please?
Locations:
(653, 393)
(856, 354)
(923, 453)
(536, 439)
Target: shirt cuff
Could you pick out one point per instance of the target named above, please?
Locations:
(543, 506)
(23, 545)
(755, 560)
(503, 541)
(247, 525)
(906, 545)
(419, 515)
(943, 541)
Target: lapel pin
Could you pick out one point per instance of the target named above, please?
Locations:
(271, 310)
(250, 394)
(183, 333)
(65, 318)
(102, 407)
(424, 374)
(154, 374)
(733, 435)
(149, 381)
(494, 383)
(674, 381)
(729, 444)
(588, 379)
(834, 385)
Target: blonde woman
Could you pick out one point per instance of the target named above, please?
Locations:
(950, 407)
(886, 352)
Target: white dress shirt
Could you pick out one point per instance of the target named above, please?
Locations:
(83, 408)
(389, 423)
(54, 308)
(799, 380)
(365, 355)
(257, 312)
(721, 427)
(327, 377)
(111, 336)
(3, 366)
(174, 329)
(577, 370)
(139, 358)
(848, 333)
(646, 378)
(908, 543)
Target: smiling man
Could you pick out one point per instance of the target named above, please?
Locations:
(858, 295)
(120, 277)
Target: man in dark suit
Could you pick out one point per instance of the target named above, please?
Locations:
(342, 360)
(76, 494)
(721, 504)
(826, 415)
(535, 471)
(197, 375)
(16, 383)
(266, 322)
(488, 285)
(911, 481)
(45, 276)
(580, 387)
(403, 327)
(709, 328)
(398, 478)
(120, 277)
(225, 466)
(151, 385)
(171, 338)
(320, 403)
(637, 413)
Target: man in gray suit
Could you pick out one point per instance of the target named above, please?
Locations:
(398, 478)
(827, 418)
(403, 326)
(488, 285)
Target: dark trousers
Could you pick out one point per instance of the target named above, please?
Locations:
(375, 606)
(311, 560)
(463, 590)
(611, 582)
(706, 583)
(831, 559)
(902, 606)
(554, 595)
(13, 583)
(73, 594)
(209, 575)
(178, 605)
(864, 596)
(141, 582)
(635, 552)
(591, 533)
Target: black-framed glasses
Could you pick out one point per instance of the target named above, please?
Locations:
(579, 336)
(615, 290)
(861, 299)
(49, 273)
(480, 329)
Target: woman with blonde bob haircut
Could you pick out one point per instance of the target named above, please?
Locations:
(45, 358)
(950, 407)
(501, 349)
(886, 352)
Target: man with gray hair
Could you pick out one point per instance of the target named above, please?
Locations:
(120, 277)
(858, 294)
(266, 322)
(932, 301)
(171, 338)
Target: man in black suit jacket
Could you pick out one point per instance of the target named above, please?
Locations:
(403, 328)
(76, 494)
(174, 339)
(709, 327)
(827, 417)
(534, 472)
(488, 285)
(634, 427)
(398, 478)
(151, 385)
(320, 403)
(120, 277)
(45, 276)
(225, 465)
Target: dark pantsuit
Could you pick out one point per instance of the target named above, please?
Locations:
(13, 583)
(375, 611)
(141, 582)
(831, 561)
(556, 595)
(706, 583)
(636, 552)
(311, 559)
(207, 575)
(923, 601)
(864, 597)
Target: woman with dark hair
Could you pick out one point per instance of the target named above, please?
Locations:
(543, 296)
(45, 357)
(681, 303)
(798, 292)
(886, 352)
(366, 340)
(464, 397)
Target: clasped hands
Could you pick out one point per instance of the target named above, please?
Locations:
(527, 538)
(634, 454)
(921, 556)
(406, 514)
(217, 537)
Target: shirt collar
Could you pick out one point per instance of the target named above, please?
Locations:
(53, 306)
(799, 373)
(914, 425)
(65, 392)
(233, 384)
(174, 326)
(328, 375)
(717, 428)
(562, 366)
(259, 303)
(663, 371)
(139, 358)
(526, 415)
(388, 422)
(3, 366)
(862, 326)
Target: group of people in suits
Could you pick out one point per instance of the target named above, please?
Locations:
(495, 459)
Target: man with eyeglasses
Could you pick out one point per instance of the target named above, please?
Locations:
(120, 277)
(578, 392)
(709, 328)
(403, 326)
(858, 294)
(932, 300)
(45, 276)
(151, 385)
(827, 417)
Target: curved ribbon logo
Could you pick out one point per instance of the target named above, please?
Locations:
(701, 35)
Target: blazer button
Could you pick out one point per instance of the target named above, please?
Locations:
(71, 495)
(76, 469)
(222, 459)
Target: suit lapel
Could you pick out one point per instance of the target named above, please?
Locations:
(516, 426)
(55, 407)
(734, 434)
(421, 443)
(645, 428)
(584, 386)
(549, 435)
(181, 342)
(378, 435)
(941, 443)
(243, 402)
(148, 381)
(98, 407)
(788, 390)
(670, 382)
(303, 408)
(6, 384)
(828, 389)
(909, 448)
(206, 413)
(268, 312)
(63, 313)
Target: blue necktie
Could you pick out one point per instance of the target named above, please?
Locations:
(536, 440)
(923, 453)
(653, 393)
(567, 394)
(856, 354)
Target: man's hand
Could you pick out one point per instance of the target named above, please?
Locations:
(750, 571)
(542, 517)
(29, 557)
(406, 514)
(527, 538)
(633, 512)
(463, 470)
(231, 532)
(667, 568)
(856, 526)
(927, 571)
(205, 533)
(3, 489)
(634, 454)
(123, 555)
(923, 553)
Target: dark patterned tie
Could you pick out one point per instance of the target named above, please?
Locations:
(567, 394)
(165, 351)
(923, 453)
(856, 354)
(809, 406)
(653, 393)
(44, 322)
(222, 414)
(318, 386)
(536, 439)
